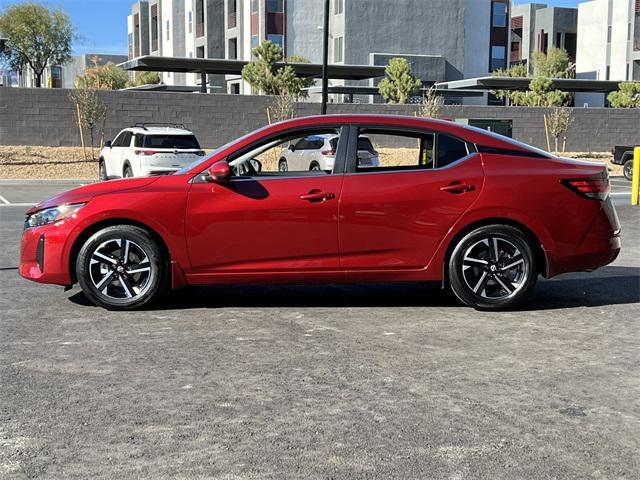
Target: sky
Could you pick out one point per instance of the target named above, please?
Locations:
(101, 25)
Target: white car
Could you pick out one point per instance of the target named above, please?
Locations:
(145, 150)
(318, 152)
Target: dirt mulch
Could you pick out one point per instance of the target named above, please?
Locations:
(25, 162)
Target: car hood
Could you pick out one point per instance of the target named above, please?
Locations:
(87, 192)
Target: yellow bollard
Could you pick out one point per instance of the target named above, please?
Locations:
(635, 178)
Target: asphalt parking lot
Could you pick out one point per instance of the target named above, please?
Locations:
(327, 382)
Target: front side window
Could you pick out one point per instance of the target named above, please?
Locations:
(294, 154)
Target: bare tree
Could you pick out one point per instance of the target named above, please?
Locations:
(282, 107)
(559, 121)
(430, 105)
(91, 114)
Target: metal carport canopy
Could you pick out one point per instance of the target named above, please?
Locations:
(522, 83)
(234, 67)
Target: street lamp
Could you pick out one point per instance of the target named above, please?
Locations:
(325, 58)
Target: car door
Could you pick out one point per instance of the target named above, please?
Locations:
(112, 156)
(393, 217)
(273, 222)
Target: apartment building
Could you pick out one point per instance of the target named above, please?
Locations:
(178, 28)
(538, 27)
(443, 39)
(608, 44)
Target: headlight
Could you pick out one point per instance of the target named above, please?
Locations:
(51, 215)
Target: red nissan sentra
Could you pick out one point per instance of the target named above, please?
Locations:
(481, 213)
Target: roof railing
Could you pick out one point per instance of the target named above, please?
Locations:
(159, 124)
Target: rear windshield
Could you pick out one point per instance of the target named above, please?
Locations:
(365, 144)
(171, 141)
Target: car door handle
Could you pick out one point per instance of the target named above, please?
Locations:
(458, 187)
(317, 196)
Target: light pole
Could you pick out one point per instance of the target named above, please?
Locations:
(325, 58)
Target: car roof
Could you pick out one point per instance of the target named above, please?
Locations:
(159, 131)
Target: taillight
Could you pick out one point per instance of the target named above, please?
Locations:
(145, 152)
(328, 152)
(595, 188)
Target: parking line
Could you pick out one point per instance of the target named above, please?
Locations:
(4, 200)
(17, 204)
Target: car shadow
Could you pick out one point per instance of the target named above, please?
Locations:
(608, 286)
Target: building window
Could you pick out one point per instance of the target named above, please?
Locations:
(190, 21)
(275, 6)
(232, 8)
(199, 52)
(338, 49)
(254, 41)
(277, 39)
(199, 18)
(608, 74)
(233, 49)
(609, 34)
(56, 77)
(254, 6)
(168, 31)
(338, 7)
(234, 88)
(499, 14)
(154, 27)
(498, 57)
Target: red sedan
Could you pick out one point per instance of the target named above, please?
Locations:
(481, 213)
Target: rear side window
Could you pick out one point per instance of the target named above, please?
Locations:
(139, 140)
(449, 150)
(171, 141)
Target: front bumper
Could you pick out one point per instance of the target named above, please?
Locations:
(42, 255)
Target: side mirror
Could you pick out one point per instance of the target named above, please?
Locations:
(220, 171)
(108, 144)
(256, 164)
(292, 147)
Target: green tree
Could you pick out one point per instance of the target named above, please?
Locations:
(103, 77)
(400, 84)
(37, 37)
(546, 67)
(264, 75)
(147, 78)
(627, 96)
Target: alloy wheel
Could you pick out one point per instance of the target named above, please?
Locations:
(120, 269)
(494, 268)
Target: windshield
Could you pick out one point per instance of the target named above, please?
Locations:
(188, 142)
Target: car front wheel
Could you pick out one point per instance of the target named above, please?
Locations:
(627, 169)
(121, 268)
(492, 268)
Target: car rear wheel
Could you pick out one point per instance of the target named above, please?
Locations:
(127, 173)
(102, 171)
(492, 268)
(283, 166)
(121, 268)
(627, 169)
(314, 167)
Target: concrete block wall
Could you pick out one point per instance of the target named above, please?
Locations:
(46, 117)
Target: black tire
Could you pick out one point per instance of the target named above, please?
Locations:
(111, 281)
(283, 166)
(102, 171)
(480, 280)
(314, 167)
(127, 172)
(627, 169)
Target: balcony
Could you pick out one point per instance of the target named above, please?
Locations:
(199, 29)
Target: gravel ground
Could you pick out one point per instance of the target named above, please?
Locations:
(327, 382)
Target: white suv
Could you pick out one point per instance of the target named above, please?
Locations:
(145, 150)
(318, 152)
